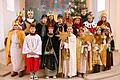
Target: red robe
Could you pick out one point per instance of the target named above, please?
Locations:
(106, 23)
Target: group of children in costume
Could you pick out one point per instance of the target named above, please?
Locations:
(71, 46)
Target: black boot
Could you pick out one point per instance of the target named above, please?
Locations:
(21, 73)
(82, 74)
(14, 74)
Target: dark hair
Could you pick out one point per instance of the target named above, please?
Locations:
(32, 25)
(84, 8)
(60, 16)
(44, 15)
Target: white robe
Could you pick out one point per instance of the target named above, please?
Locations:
(83, 61)
(16, 54)
(34, 44)
(72, 60)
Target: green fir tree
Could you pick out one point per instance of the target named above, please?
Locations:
(75, 6)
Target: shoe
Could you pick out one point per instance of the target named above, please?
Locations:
(66, 77)
(14, 74)
(21, 74)
(35, 77)
(54, 77)
(47, 77)
(80, 75)
(31, 77)
(69, 76)
(84, 76)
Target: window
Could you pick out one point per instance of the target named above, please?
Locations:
(10, 5)
(100, 5)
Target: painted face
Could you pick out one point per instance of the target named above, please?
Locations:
(44, 20)
(103, 18)
(83, 12)
(32, 29)
(30, 15)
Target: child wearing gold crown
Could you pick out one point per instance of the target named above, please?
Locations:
(67, 57)
(90, 23)
(77, 23)
(51, 21)
(28, 21)
(14, 49)
(20, 19)
(85, 44)
(103, 23)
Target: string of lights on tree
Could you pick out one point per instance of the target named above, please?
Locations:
(75, 6)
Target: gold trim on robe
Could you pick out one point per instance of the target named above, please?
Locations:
(78, 46)
(27, 30)
(21, 36)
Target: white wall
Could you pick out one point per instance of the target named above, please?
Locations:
(117, 26)
(6, 19)
(112, 7)
(114, 18)
(9, 16)
(1, 26)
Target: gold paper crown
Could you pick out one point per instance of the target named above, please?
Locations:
(103, 13)
(30, 12)
(50, 13)
(15, 23)
(67, 11)
(75, 17)
(20, 14)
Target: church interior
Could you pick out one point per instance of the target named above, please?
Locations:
(9, 8)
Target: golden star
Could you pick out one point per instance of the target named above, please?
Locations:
(62, 35)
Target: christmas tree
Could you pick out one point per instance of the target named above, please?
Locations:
(75, 6)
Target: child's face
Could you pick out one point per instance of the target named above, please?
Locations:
(51, 17)
(69, 29)
(90, 19)
(60, 20)
(50, 30)
(103, 18)
(19, 18)
(80, 33)
(77, 21)
(32, 29)
(83, 12)
(44, 20)
(30, 15)
(67, 15)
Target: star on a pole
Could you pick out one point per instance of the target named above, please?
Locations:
(62, 35)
